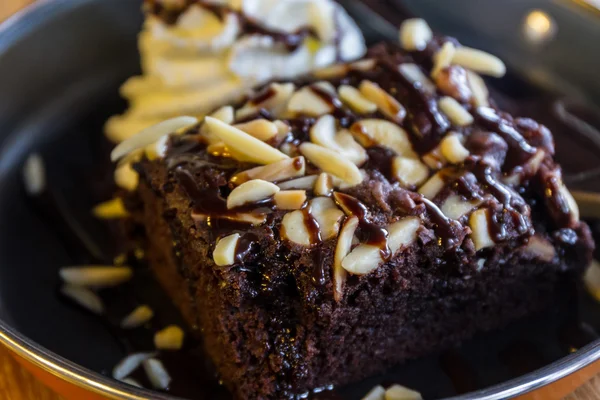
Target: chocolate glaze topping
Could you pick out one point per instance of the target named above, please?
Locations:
(447, 230)
(519, 150)
(496, 174)
(312, 226)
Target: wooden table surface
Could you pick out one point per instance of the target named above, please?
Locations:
(18, 384)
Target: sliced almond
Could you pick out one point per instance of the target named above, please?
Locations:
(328, 216)
(274, 100)
(414, 74)
(453, 81)
(225, 114)
(541, 248)
(111, 209)
(377, 393)
(156, 373)
(384, 133)
(533, 165)
(84, 297)
(304, 183)
(137, 317)
(343, 185)
(323, 185)
(240, 155)
(455, 112)
(151, 135)
(398, 392)
(409, 171)
(432, 187)
(279, 171)
(342, 249)
(158, 149)
(355, 100)
(262, 129)
(455, 206)
(306, 102)
(364, 259)
(452, 148)
(350, 148)
(126, 177)
(132, 382)
(170, 338)
(252, 148)
(479, 61)
(283, 129)
(332, 71)
(415, 33)
(479, 89)
(290, 199)
(34, 175)
(323, 133)
(434, 159)
(366, 64)
(246, 218)
(293, 228)
(326, 87)
(571, 203)
(289, 149)
(225, 250)
(129, 364)
(480, 229)
(389, 106)
(443, 58)
(591, 279)
(251, 192)
(332, 162)
(403, 233)
(96, 276)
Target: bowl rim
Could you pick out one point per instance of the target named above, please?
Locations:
(27, 20)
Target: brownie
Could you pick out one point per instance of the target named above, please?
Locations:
(327, 229)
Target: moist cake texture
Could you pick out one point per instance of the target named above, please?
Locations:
(326, 229)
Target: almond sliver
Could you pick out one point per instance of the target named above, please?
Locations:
(151, 135)
(243, 143)
(332, 162)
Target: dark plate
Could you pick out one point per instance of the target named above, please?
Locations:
(60, 67)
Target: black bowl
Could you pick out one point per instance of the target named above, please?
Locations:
(61, 63)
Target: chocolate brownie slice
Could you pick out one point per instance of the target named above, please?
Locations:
(375, 212)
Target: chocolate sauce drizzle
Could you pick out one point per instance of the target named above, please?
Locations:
(446, 229)
(312, 226)
(499, 150)
(513, 205)
(244, 246)
(520, 151)
(368, 232)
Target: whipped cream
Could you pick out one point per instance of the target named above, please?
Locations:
(217, 50)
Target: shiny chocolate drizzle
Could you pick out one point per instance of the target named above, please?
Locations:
(500, 147)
